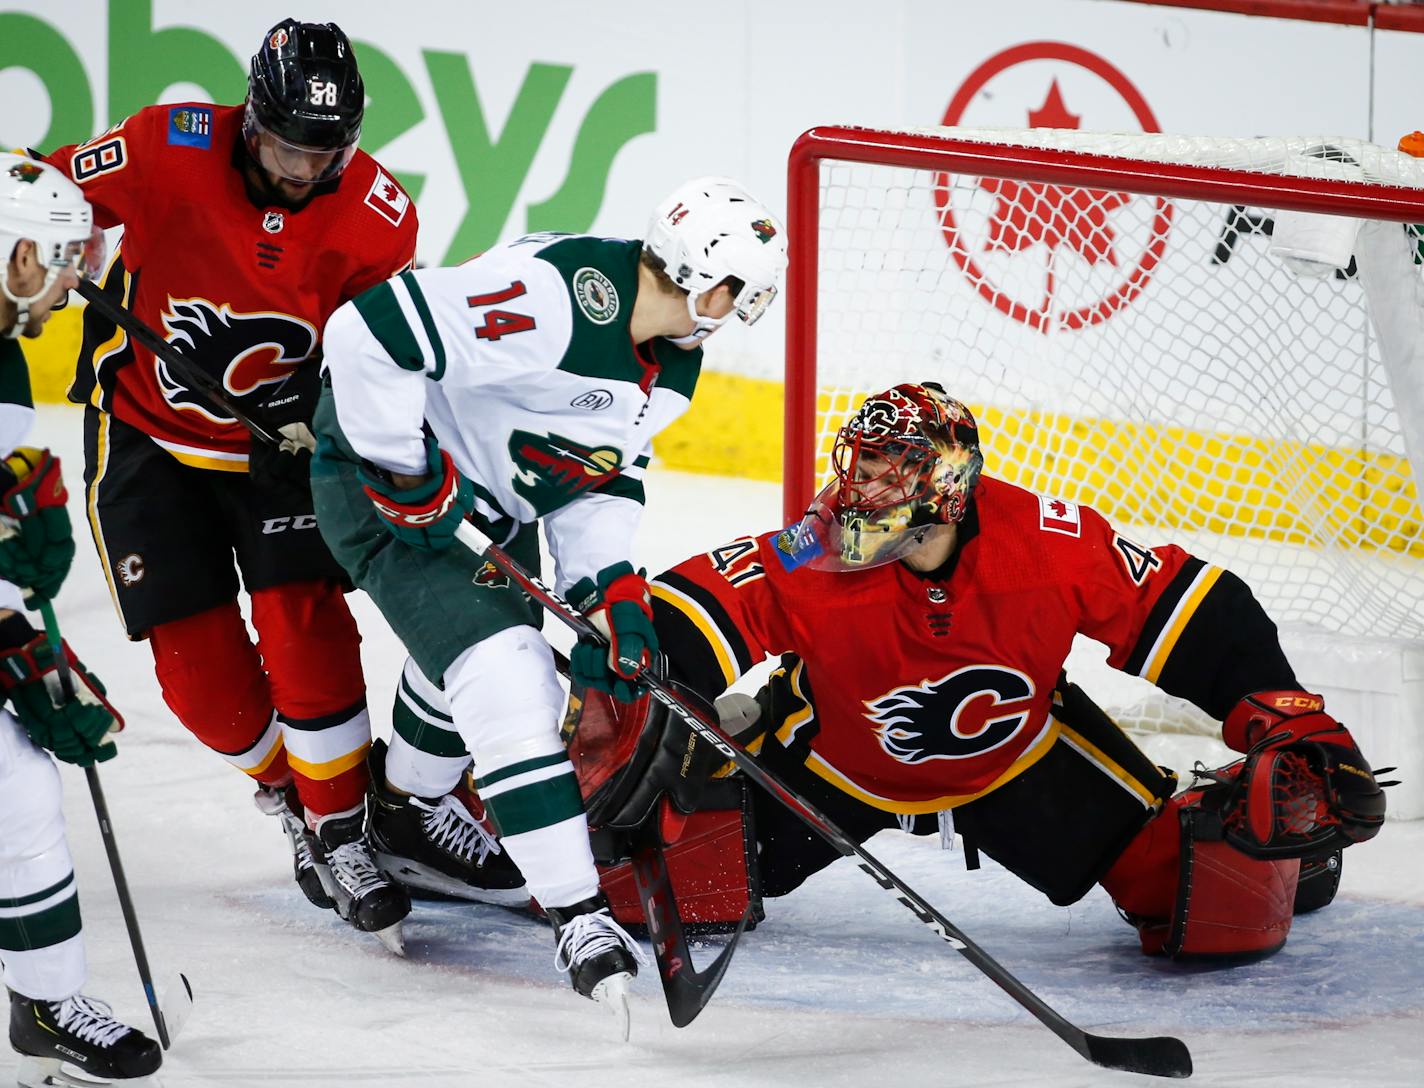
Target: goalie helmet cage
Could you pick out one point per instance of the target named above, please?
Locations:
(1107, 306)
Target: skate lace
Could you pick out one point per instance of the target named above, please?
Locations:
(586, 935)
(301, 847)
(89, 1019)
(351, 864)
(450, 826)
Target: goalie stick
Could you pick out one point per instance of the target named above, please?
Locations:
(188, 370)
(685, 989)
(1161, 1056)
(170, 1013)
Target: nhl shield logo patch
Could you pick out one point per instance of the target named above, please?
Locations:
(596, 295)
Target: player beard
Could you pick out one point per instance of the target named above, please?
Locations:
(264, 192)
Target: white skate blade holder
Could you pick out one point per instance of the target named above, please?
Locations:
(612, 994)
(50, 1073)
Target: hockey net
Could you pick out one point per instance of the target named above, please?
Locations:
(1108, 307)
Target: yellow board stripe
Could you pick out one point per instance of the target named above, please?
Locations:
(1091, 752)
(331, 768)
(1031, 755)
(1177, 622)
(709, 630)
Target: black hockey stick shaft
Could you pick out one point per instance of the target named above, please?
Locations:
(184, 367)
(1161, 1056)
(106, 832)
(685, 989)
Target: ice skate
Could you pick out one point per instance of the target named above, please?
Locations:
(81, 1033)
(283, 804)
(599, 955)
(439, 845)
(365, 896)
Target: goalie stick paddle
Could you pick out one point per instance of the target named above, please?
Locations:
(186, 368)
(180, 998)
(1161, 1056)
(685, 989)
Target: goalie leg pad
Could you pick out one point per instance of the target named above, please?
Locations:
(712, 865)
(1192, 895)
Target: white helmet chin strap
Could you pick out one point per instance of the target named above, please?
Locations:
(22, 305)
(702, 325)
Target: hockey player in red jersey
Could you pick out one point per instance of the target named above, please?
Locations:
(925, 613)
(244, 227)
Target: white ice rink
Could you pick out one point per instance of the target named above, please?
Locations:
(840, 986)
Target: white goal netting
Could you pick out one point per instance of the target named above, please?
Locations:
(1146, 354)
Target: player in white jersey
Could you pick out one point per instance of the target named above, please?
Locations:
(524, 386)
(46, 240)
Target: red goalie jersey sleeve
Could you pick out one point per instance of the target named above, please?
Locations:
(242, 290)
(927, 691)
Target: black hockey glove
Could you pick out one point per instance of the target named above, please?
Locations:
(36, 539)
(287, 413)
(76, 729)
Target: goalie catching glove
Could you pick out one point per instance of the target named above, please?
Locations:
(37, 548)
(427, 515)
(76, 729)
(617, 604)
(1304, 788)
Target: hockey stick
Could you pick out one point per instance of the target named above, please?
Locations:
(179, 996)
(1161, 1056)
(188, 370)
(685, 989)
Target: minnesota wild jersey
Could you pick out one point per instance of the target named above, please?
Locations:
(522, 363)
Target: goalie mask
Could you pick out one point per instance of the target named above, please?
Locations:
(710, 230)
(905, 467)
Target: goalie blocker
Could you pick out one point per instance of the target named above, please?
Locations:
(707, 831)
(1217, 870)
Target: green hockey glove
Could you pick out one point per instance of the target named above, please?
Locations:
(36, 539)
(619, 606)
(76, 730)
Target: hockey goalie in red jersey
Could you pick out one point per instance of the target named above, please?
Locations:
(924, 612)
(245, 227)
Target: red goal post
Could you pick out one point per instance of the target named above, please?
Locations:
(1140, 403)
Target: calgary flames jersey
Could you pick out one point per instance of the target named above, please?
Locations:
(924, 692)
(243, 291)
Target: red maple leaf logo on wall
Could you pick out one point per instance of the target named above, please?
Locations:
(1029, 212)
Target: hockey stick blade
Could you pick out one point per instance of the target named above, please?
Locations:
(1161, 1056)
(175, 1005)
(686, 989)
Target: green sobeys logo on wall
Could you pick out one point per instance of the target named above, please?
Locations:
(143, 62)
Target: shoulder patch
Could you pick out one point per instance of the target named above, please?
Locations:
(387, 199)
(596, 295)
(1059, 516)
(190, 126)
(784, 547)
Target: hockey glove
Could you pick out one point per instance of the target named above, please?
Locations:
(38, 543)
(287, 413)
(76, 730)
(1304, 787)
(427, 515)
(618, 604)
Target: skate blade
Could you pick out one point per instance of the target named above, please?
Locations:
(50, 1073)
(423, 878)
(612, 994)
(392, 938)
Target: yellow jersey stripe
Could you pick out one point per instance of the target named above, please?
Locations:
(92, 508)
(331, 768)
(711, 633)
(1109, 766)
(1177, 621)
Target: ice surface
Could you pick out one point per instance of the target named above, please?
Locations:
(841, 985)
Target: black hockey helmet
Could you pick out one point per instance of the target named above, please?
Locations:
(305, 93)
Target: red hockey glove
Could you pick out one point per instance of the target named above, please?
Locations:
(77, 729)
(619, 606)
(1304, 787)
(36, 540)
(427, 515)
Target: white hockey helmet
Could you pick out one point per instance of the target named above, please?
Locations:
(709, 229)
(38, 202)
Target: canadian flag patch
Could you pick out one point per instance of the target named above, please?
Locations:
(1059, 516)
(388, 199)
